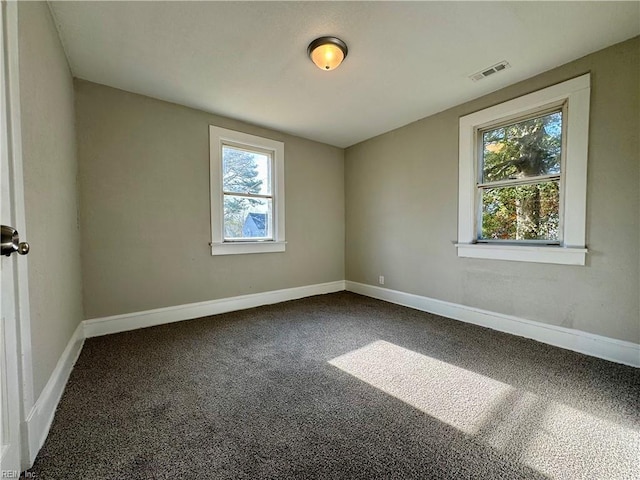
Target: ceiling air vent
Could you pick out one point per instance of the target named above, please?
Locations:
(485, 72)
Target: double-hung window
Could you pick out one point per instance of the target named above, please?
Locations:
(519, 179)
(522, 184)
(247, 193)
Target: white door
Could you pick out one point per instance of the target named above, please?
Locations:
(10, 396)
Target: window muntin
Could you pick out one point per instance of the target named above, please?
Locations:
(247, 191)
(519, 179)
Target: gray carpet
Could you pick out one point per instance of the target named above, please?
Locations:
(340, 386)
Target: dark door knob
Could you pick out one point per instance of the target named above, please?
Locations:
(10, 242)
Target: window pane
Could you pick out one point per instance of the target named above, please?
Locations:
(247, 218)
(245, 172)
(524, 212)
(523, 149)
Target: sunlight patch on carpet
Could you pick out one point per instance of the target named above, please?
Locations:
(557, 440)
(451, 394)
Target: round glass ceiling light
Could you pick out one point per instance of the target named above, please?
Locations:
(327, 52)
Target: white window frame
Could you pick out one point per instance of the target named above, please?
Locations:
(575, 95)
(218, 137)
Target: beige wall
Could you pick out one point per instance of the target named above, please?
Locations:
(50, 167)
(144, 193)
(401, 216)
(144, 187)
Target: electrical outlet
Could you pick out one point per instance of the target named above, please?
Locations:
(381, 279)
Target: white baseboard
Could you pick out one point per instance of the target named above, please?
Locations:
(132, 321)
(41, 415)
(619, 351)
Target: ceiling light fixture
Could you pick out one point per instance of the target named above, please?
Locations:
(327, 52)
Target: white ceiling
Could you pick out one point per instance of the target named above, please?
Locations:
(407, 60)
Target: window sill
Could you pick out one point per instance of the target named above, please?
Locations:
(239, 248)
(523, 253)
